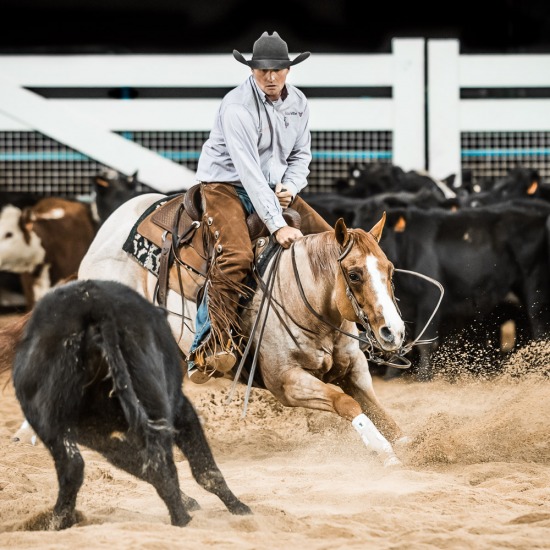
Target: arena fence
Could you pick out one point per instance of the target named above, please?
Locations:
(421, 106)
(62, 118)
(486, 113)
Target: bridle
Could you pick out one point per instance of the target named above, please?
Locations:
(370, 347)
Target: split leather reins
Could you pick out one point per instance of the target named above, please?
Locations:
(370, 347)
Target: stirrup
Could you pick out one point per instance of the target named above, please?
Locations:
(216, 365)
(222, 361)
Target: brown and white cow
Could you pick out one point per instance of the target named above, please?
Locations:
(45, 242)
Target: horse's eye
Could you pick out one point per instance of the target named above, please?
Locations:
(354, 277)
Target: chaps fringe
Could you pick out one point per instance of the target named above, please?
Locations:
(223, 296)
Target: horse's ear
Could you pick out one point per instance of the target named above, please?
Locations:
(341, 231)
(376, 231)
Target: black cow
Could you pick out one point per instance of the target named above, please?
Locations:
(111, 189)
(482, 256)
(518, 183)
(367, 180)
(97, 360)
(333, 206)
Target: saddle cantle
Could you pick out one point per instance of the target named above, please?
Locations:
(186, 247)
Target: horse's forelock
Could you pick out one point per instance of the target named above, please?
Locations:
(323, 250)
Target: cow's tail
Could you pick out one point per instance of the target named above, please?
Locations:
(123, 388)
(10, 336)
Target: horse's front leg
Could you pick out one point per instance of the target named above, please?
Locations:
(358, 383)
(300, 389)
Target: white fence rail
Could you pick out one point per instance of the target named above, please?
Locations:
(87, 125)
(449, 115)
(425, 122)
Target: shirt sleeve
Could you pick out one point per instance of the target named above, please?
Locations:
(241, 137)
(295, 176)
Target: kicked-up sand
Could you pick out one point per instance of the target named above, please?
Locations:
(476, 474)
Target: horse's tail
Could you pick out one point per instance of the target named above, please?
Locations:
(123, 388)
(10, 336)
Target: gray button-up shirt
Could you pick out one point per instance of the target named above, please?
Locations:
(256, 143)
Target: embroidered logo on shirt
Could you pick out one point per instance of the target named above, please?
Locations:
(291, 113)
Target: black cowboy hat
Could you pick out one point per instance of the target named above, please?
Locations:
(270, 52)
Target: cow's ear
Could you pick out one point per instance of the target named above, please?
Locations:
(341, 232)
(133, 178)
(102, 182)
(376, 231)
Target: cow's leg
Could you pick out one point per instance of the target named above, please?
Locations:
(189, 437)
(298, 388)
(69, 466)
(153, 463)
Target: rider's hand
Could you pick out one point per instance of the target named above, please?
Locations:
(285, 197)
(286, 235)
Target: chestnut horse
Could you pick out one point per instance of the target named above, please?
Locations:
(320, 289)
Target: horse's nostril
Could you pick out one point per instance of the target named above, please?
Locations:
(386, 333)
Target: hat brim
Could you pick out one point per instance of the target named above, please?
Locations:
(270, 63)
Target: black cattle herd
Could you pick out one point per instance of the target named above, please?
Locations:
(488, 246)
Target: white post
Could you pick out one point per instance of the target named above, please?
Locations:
(89, 137)
(409, 104)
(444, 109)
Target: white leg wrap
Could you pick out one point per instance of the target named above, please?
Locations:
(374, 439)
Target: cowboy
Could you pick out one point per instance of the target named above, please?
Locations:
(256, 159)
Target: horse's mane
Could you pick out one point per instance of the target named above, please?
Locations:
(322, 252)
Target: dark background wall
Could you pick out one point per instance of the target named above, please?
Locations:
(324, 26)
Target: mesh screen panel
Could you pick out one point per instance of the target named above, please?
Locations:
(31, 162)
(487, 156)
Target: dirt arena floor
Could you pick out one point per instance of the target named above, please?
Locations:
(476, 475)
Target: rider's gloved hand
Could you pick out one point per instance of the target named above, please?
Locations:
(286, 235)
(285, 197)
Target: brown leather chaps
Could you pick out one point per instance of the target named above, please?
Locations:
(225, 217)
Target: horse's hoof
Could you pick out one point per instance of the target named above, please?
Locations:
(25, 434)
(31, 440)
(392, 461)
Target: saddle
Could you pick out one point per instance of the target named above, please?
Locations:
(177, 228)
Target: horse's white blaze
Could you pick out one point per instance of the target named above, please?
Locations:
(389, 311)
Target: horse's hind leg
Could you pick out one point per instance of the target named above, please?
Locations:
(153, 463)
(190, 438)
